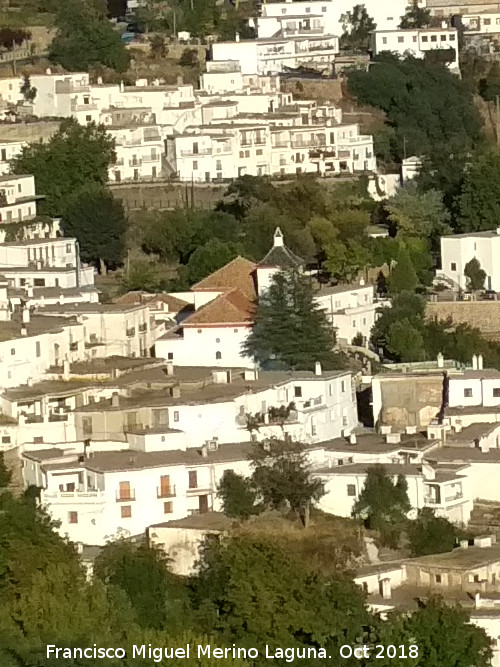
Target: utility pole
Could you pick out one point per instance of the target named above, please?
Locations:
(404, 148)
(128, 263)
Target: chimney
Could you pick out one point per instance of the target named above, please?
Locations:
(115, 400)
(170, 367)
(66, 369)
(317, 368)
(474, 362)
(385, 429)
(440, 360)
(411, 430)
(385, 588)
(393, 438)
(361, 282)
(278, 238)
(48, 71)
(29, 291)
(180, 80)
(175, 391)
(204, 450)
(61, 299)
(498, 231)
(352, 439)
(480, 362)
(122, 87)
(237, 37)
(26, 315)
(464, 544)
(99, 80)
(24, 330)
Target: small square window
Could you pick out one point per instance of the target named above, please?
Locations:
(443, 38)
(434, 38)
(72, 517)
(496, 392)
(170, 356)
(5, 439)
(486, 21)
(298, 392)
(468, 393)
(168, 507)
(401, 40)
(126, 511)
(452, 37)
(425, 38)
(351, 490)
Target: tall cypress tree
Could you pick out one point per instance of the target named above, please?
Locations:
(290, 329)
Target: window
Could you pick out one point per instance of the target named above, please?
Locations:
(442, 38)
(425, 38)
(283, 11)
(308, 10)
(401, 40)
(453, 266)
(88, 118)
(193, 479)
(72, 517)
(195, 165)
(176, 415)
(218, 356)
(351, 490)
(468, 393)
(298, 392)
(218, 165)
(434, 38)
(414, 38)
(168, 507)
(438, 578)
(126, 511)
(258, 151)
(486, 21)
(496, 392)
(39, 282)
(476, 578)
(3, 155)
(87, 426)
(19, 187)
(195, 148)
(12, 351)
(342, 386)
(452, 37)
(170, 356)
(217, 340)
(37, 348)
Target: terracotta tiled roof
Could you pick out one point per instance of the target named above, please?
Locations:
(238, 274)
(229, 308)
(138, 297)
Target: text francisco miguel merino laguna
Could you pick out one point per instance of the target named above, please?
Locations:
(157, 654)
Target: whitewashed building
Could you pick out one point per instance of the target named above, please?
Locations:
(350, 309)
(417, 42)
(17, 198)
(458, 249)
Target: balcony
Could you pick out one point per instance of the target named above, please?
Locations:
(194, 154)
(119, 162)
(281, 144)
(151, 158)
(71, 497)
(311, 404)
(125, 497)
(135, 163)
(166, 492)
(198, 491)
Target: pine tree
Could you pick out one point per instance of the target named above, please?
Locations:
(290, 329)
(403, 277)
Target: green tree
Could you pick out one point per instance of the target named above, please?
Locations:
(86, 38)
(282, 476)
(97, 220)
(28, 91)
(415, 17)
(403, 277)
(238, 496)
(415, 213)
(77, 155)
(404, 306)
(142, 573)
(209, 257)
(489, 85)
(144, 273)
(430, 534)
(5, 473)
(405, 342)
(158, 46)
(289, 328)
(189, 58)
(357, 26)
(383, 504)
(478, 205)
(253, 592)
(475, 275)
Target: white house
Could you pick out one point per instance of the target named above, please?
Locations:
(8, 150)
(417, 42)
(481, 23)
(386, 13)
(458, 249)
(17, 198)
(274, 54)
(351, 310)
